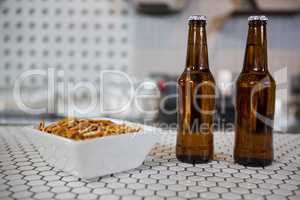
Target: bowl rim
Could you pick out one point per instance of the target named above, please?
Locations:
(143, 131)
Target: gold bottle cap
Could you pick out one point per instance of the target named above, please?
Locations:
(258, 18)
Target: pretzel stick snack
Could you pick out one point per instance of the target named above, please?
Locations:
(80, 129)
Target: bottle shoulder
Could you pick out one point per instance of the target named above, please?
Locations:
(196, 75)
(253, 78)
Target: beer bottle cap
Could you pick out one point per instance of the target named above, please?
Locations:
(257, 18)
(197, 18)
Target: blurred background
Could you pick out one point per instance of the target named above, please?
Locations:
(75, 40)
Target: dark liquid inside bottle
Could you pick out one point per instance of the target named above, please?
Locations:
(196, 103)
(255, 102)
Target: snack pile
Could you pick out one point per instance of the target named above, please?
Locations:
(81, 129)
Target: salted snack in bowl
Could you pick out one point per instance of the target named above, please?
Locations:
(90, 148)
(81, 129)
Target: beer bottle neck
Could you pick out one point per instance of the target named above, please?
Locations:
(256, 59)
(197, 54)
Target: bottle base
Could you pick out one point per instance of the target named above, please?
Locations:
(253, 162)
(193, 159)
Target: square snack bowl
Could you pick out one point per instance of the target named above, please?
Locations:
(97, 156)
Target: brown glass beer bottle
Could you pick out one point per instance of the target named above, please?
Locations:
(196, 99)
(255, 100)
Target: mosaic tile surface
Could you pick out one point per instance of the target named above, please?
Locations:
(25, 175)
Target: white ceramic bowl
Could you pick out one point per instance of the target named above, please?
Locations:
(94, 157)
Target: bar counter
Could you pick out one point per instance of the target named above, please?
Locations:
(25, 175)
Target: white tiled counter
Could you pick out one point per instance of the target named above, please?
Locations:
(25, 175)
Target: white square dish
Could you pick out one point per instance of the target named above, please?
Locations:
(97, 156)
